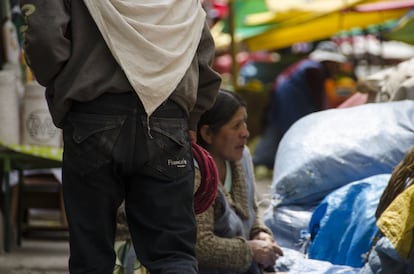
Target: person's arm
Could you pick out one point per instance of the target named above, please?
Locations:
(46, 35)
(232, 254)
(265, 254)
(248, 169)
(261, 232)
(209, 80)
(258, 225)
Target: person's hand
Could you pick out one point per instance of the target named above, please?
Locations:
(264, 252)
(268, 238)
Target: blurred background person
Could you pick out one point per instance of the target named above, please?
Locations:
(299, 90)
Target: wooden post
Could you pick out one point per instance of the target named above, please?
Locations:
(233, 44)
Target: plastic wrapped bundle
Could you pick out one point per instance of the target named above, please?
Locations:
(289, 224)
(295, 262)
(343, 225)
(328, 149)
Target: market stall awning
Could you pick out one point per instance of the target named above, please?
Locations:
(385, 5)
(318, 28)
(404, 30)
(275, 24)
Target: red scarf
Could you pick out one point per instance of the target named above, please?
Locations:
(207, 191)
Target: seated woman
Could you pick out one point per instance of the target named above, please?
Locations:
(231, 236)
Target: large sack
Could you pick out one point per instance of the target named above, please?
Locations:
(9, 108)
(328, 149)
(343, 225)
(289, 224)
(295, 262)
(390, 84)
(37, 124)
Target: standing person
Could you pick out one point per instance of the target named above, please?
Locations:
(299, 90)
(127, 82)
(231, 235)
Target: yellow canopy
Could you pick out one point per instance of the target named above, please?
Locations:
(318, 28)
(292, 21)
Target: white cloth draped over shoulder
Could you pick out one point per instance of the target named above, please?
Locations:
(153, 41)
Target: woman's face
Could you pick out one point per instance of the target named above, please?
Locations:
(228, 143)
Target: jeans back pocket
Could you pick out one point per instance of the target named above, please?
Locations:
(90, 139)
(169, 148)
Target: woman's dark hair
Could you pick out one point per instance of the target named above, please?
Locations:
(226, 105)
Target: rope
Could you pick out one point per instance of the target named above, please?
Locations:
(207, 191)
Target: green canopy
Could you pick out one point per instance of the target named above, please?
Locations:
(404, 30)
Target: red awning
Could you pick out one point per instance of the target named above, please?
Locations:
(385, 5)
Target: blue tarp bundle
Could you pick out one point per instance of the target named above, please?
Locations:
(343, 225)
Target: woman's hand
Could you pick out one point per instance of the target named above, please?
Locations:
(268, 238)
(265, 253)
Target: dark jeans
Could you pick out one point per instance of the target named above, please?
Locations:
(112, 154)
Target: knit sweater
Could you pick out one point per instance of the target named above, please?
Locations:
(230, 254)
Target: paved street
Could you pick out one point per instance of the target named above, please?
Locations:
(36, 256)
